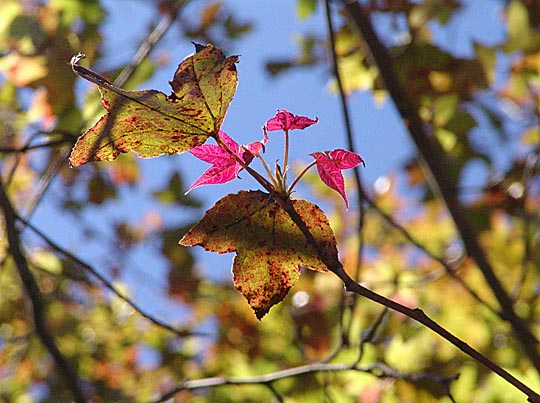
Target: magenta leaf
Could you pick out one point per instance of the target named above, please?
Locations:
(224, 167)
(331, 163)
(284, 120)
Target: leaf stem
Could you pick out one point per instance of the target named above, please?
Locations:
(295, 181)
(258, 177)
(267, 169)
(285, 157)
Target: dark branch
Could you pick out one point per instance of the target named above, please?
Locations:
(107, 284)
(436, 166)
(29, 147)
(69, 374)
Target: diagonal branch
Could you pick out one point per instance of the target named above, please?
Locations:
(107, 284)
(69, 374)
(146, 47)
(335, 266)
(437, 166)
(449, 269)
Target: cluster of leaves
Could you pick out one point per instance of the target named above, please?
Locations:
(270, 247)
(121, 356)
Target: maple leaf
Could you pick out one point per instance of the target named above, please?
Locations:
(224, 167)
(270, 248)
(152, 123)
(284, 120)
(331, 163)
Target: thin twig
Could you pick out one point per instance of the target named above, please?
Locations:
(71, 378)
(436, 165)
(363, 196)
(345, 330)
(450, 270)
(371, 333)
(348, 125)
(146, 47)
(29, 147)
(378, 370)
(107, 284)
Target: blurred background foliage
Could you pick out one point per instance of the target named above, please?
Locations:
(121, 356)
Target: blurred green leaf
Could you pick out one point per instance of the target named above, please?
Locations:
(306, 8)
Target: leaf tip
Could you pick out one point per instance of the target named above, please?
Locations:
(261, 312)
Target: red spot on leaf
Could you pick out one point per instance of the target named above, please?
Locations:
(131, 120)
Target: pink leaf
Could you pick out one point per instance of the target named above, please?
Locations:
(224, 167)
(331, 163)
(284, 120)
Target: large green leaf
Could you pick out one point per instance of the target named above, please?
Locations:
(152, 123)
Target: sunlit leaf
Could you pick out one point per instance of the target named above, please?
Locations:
(284, 120)
(331, 163)
(224, 166)
(270, 249)
(305, 8)
(152, 123)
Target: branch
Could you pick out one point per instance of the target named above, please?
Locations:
(69, 374)
(146, 47)
(450, 270)
(29, 147)
(334, 265)
(437, 166)
(378, 370)
(85, 266)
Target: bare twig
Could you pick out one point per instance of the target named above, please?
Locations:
(69, 374)
(149, 43)
(29, 147)
(378, 370)
(449, 269)
(85, 266)
(436, 167)
(348, 127)
(371, 333)
(346, 329)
